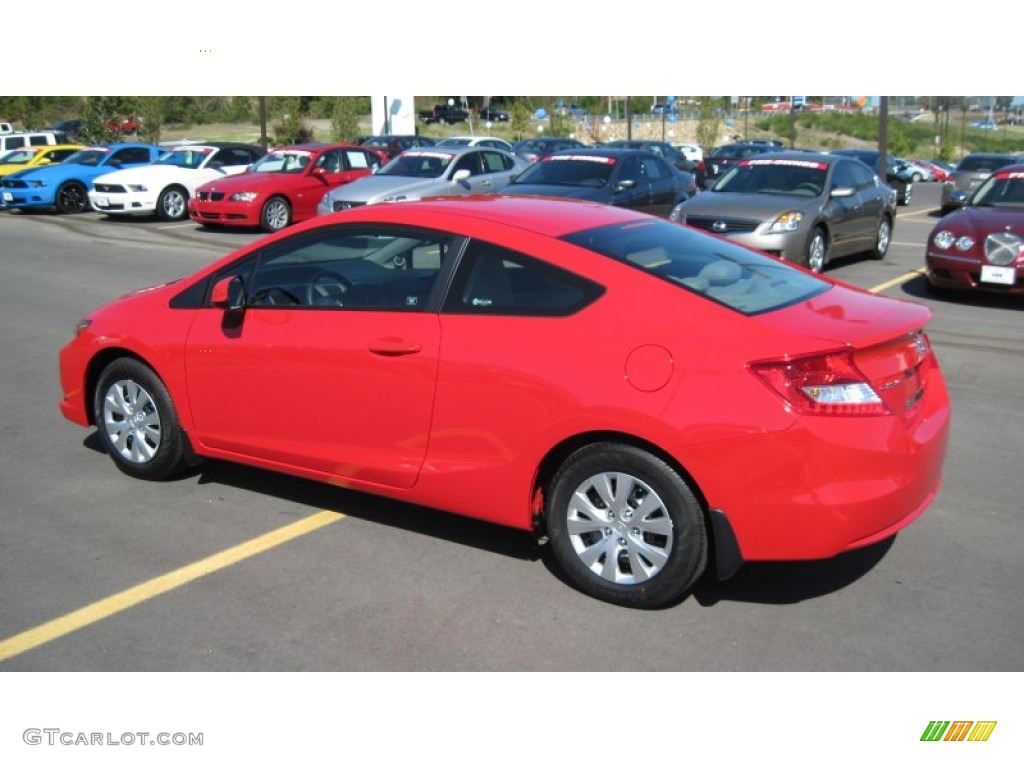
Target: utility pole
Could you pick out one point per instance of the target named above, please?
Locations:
(883, 136)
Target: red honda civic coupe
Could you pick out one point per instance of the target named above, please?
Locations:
(283, 187)
(638, 392)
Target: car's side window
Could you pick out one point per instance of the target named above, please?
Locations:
(630, 170)
(654, 169)
(492, 280)
(382, 269)
(131, 155)
(468, 162)
(356, 159)
(843, 176)
(495, 162)
(862, 175)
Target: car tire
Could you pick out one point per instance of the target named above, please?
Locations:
(917, 178)
(816, 255)
(172, 205)
(276, 214)
(883, 236)
(72, 197)
(625, 527)
(138, 424)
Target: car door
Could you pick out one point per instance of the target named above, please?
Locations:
(661, 181)
(873, 206)
(629, 187)
(331, 365)
(845, 215)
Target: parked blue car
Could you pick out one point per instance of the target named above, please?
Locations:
(66, 186)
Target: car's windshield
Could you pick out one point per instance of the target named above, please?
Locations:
(283, 161)
(17, 156)
(983, 164)
(1004, 189)
(418, 164)
(569, 170)
(803, 178)
(187, 157)
(454, 141)
(727, 273)
(93, 156)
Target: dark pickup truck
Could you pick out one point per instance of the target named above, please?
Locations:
(444, 114)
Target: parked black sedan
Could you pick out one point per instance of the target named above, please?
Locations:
(532, 150)
(628, 178)
(667, 151)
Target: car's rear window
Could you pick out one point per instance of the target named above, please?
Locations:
(729, 274)
(985, 164)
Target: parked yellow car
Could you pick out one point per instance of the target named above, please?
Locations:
(27, 157)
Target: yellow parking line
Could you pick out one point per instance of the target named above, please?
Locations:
(897, 280)
(177, 226)
(108, 606)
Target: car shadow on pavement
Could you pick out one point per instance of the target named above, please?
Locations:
(917, 288)
(791, 582)
(374, 509)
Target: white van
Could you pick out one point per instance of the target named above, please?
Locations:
(6, 128)
(21, 139)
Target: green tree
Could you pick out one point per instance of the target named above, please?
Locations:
(289, 129)
(101, 118)
(151, 110)
(345, 118)
(520, 122)
(708, 121)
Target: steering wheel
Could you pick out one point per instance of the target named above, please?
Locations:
(326, 289)
(272, 296)
(808, 186)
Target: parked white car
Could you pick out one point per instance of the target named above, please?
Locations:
(164, 187)
(475, 141)
(691, 152)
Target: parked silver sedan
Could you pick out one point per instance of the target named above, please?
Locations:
(428, 172)
(803, 207)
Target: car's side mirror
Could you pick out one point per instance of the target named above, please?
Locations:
(843, 192)
(320, 173)
(625, 184)
(229, 293)
(461, 175)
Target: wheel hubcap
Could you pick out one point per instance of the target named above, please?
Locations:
(131, 421)
(174, 204)
(619, 528)
(277, 215)
(883, 237)
(816, 254)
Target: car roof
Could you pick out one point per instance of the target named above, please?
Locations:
(791, 156)
(552, 217)
(450, 149)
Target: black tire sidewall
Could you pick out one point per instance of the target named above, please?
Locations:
(689, 549)
(69, 185)
(169, 457)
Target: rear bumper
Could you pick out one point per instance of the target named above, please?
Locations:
(828, 484)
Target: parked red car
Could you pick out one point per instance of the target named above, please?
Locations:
(281, 188)
(940, 173)
(634, 389)
(980, 246)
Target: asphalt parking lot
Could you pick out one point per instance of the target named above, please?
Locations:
(231, 568)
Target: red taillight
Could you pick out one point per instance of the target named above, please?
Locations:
(823, 385)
